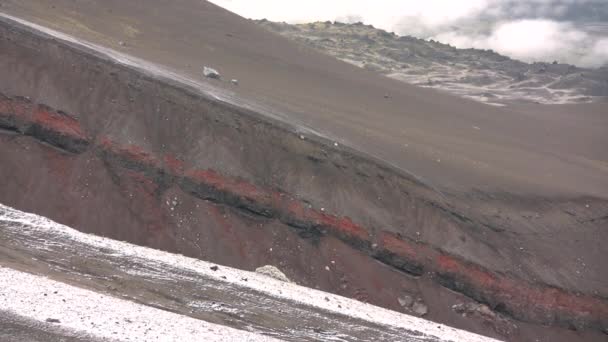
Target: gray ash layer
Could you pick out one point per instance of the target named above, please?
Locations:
(482, 75)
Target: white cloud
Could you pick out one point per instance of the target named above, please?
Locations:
(534, 40)
(380, 13)
(530, 30)
(597, 55)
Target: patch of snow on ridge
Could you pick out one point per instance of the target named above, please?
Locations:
(83, 311)
(33, 224)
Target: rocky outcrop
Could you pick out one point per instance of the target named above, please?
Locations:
(481, 75)
(272, 272)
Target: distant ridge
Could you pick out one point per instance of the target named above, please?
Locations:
(482, 75)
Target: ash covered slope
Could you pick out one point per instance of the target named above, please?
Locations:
(93, 288)
(412, 130)
(158, 162)
(481, 75)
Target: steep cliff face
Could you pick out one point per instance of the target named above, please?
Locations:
(481, 75)
(112, 149)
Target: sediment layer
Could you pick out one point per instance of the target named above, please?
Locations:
(518, 298)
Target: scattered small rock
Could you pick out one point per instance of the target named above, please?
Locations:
(420, 309)
(272, 272)
(500, 324)
(474, 308)
(405, 301)
(53, 320)
(234, 81)
(214, 268)
(211, 73)
(121, 43)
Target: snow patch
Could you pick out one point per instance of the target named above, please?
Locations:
(83, 311)
(32, 224)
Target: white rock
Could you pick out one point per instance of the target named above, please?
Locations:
(405, 301)
(211, 73)
(420, 309)
(272, 272)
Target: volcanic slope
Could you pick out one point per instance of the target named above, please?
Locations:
(104, 290)
(109, 126)
(482, 75)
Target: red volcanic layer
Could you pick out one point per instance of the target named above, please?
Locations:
(58, 122)
(17, 106)
(46, 124)
(130, 153)
(526, 301)
(288, 209)
(523, 300)
(14, 111)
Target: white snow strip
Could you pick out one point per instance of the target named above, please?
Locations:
(264, 284)
(85, 312)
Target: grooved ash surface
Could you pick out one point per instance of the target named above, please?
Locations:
(96, 314)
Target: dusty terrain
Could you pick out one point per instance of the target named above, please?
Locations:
(114, 131)
(480, 75)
